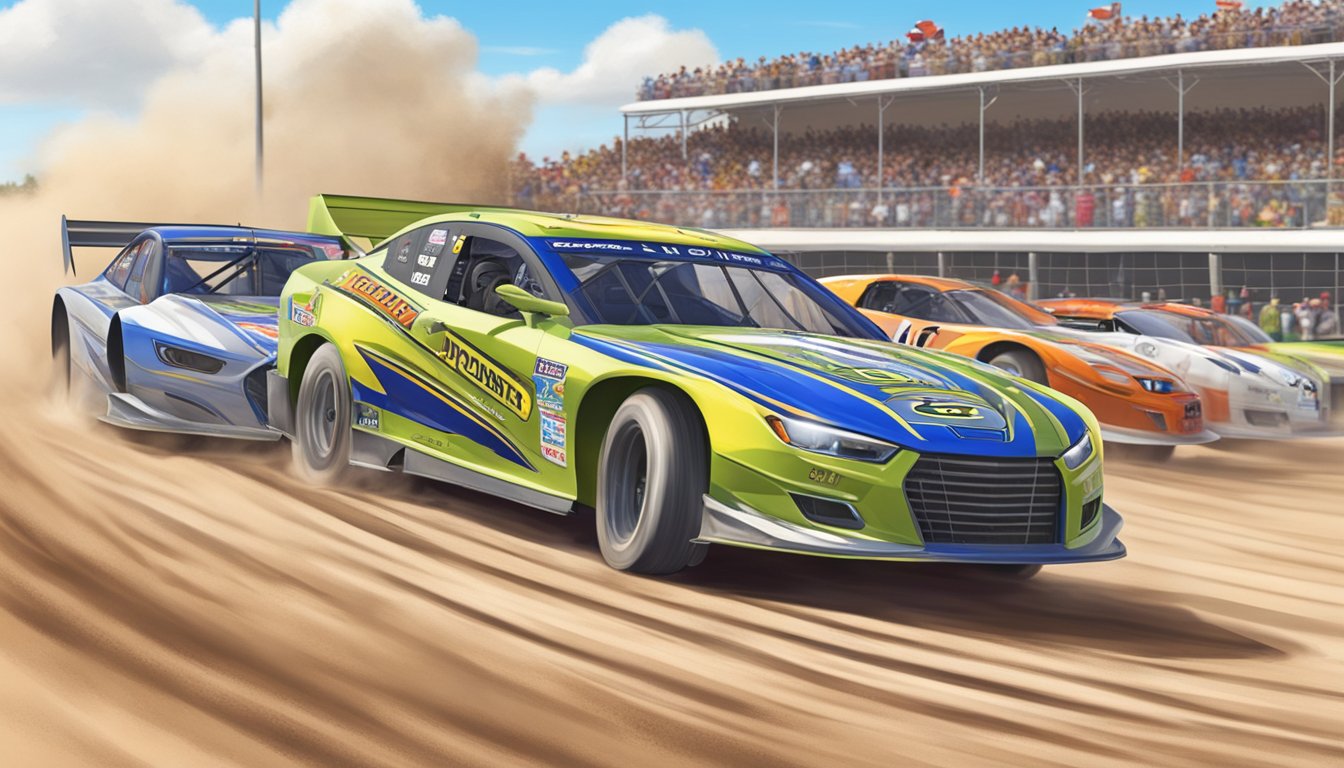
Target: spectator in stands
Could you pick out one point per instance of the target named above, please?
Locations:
(1295, 22)
(1271, 321)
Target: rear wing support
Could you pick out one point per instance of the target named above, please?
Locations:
(95, 234)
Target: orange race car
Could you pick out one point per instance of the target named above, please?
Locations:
(1251, 386)
(1137, 402)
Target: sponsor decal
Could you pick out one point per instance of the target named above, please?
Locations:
(301, 315)
(589, 245)
(433, 246)
(547, 396)
(405, 253)
(420, 278)
(554, 455)
(1194, 417)
(366, 416)
(948, 410)
(552, 429)
(548, 377)
(380, 297)
(473, 365)
(426, 260)
(823, 476)
(550, 369)
(877, 376)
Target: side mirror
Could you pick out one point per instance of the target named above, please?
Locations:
(530, 305)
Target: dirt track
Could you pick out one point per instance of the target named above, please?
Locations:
(171, 602)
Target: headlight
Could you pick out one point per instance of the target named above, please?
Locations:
(830, 441)
(1160, 386)
(185, 358)
(1081, 450)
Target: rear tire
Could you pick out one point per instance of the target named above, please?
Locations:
(61, 366)
(1020, 362)
(652, 478)
(322, 419)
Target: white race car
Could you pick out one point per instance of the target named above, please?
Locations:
(1246, 394)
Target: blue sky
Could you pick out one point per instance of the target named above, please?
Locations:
(520, 36)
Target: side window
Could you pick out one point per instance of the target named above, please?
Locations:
(923, 303)
(483, 265)
(120, 268)
(423, 258)
(881, 297)
(139, 285)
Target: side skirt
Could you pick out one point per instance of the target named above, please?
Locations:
(374, 452)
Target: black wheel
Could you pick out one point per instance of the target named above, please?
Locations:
(652, 477)
(322, 419)
(1020, 362)
(61, 371)
(1143, 454)
(1013, 572)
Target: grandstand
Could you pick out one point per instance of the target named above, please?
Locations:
(859, 174)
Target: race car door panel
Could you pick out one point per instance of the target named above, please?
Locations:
(484, 413)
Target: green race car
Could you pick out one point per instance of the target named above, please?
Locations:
(690, 388)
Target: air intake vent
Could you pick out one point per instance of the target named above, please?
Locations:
(966, 500)
(1090, 511)
(836, 514)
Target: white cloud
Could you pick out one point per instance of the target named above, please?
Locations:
(617, 60)
(94, 53)
(519, 50)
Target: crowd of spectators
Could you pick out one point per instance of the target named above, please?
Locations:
(1244, 167)
(1296, 22)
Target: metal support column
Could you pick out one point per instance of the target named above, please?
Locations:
(1215, 275)
(881, 128)
(980, 172)
(625, 149)
(942, 264)
(1079, 180)
(256, 40)
(775, 164)
(683, 134)
(1033, 277)
(1181, 89)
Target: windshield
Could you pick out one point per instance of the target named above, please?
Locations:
(1245, 333)
(232, 270)
(1163, 325)
(636, 291)
(992, 309)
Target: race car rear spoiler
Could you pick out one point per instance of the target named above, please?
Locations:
(374, 219)
(95, 234)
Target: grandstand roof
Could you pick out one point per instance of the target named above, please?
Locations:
(1250, 240)
(1247, 57)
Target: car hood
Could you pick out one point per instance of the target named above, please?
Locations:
(241, 325)
(926, 401)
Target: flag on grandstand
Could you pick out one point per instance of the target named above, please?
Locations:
(1106, 12)
(1228, 5)
(925, 30)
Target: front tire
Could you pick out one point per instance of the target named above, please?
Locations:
(322, 419)
(1020, 362)
(652, 477)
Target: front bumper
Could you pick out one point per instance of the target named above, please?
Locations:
(744, 527)
(131, 412)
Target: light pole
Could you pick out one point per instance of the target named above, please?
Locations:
(256, 34)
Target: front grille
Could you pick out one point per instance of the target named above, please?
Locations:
(966, 500)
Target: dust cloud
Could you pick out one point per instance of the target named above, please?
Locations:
(173, 601)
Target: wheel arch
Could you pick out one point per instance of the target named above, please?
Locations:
(60, 325)
(299, 354)
(116, 354)
(996, 348)
(595, 411)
